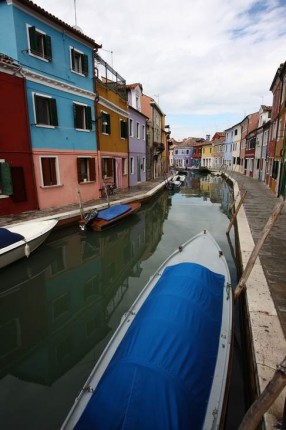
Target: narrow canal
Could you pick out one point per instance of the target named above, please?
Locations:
(59, 308)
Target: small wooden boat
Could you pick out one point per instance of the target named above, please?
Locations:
(99, 220)
(166, 365)
(19, 240)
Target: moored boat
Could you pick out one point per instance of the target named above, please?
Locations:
(166, 366)
(99, 220)
(19, 240)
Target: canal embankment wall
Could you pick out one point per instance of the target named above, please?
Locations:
(267, 345)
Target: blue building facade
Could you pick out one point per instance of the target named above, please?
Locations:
(57, 62)
(183, 157)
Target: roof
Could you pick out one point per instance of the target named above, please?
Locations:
(56, 20)
(133, 86)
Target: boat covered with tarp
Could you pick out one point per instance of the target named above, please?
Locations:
(166, 366)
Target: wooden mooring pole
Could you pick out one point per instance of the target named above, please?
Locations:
(236, 212)
(249, 266)
(272, 390)
(80, 205)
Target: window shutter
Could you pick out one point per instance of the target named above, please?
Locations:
(53, 112)
(108, 127)
(32, 37)
(48, 48)
(6, 179)
(124, 125)
(88, 118)
(72, 58)
(75, 115)
(78, 170)
(85, 64)
(92, 169)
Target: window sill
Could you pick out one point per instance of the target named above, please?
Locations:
(45, 126)
(86, 182)
(79, 73)
(85, 130)
(44, 187)
(4, 196)
(40, 57)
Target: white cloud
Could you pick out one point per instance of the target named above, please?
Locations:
(203, 58)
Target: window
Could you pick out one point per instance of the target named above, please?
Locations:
(137, 130)
(6, 187)
(107, 167)
(144, 164)
(124, 166)
(79, 62)
(85, 169)
(105, 123)
(40, 44)
(143, 132)
(131, 127)
(235, 132)
(82, 117)
(123, 129)
(49, 168)
(132, 165)
(45, 110)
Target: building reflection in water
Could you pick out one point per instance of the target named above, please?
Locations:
(56, 306)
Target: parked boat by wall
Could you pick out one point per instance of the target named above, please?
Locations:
(19, 240)
(167, 364)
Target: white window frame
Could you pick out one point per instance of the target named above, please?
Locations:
(131, 131)
(144, 164)
(84, 106)
(40, 57)
(57, 171)
(131, 165)
(80, 73)
(35, 112)
(143, 131)
(137, 130)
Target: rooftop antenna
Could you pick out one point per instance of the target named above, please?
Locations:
(75, 18)
(111, 53)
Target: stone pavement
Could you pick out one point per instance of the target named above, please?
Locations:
(258, 205)
(73, 209)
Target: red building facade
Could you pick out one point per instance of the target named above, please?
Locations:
(17, 185)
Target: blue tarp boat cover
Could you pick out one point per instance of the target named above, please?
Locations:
(113, 212)
(161, 374)
(8, 237)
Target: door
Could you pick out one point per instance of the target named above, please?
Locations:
(138, 169)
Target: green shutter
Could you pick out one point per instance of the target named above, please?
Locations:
(53, 112)
(72, 59)
(6, 179)
(88, 118)
(33, 41)
(85, 65)
(108, 127)
(48, 48)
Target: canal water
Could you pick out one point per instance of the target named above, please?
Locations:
(59, 308)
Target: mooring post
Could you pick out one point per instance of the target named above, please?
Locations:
(261, 405)
(249, 266)
(236, 212)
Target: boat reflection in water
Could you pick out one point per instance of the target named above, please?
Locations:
(59, 308)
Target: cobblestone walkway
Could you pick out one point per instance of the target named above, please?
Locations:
(259, 204)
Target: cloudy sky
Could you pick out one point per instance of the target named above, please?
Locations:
(208, 63)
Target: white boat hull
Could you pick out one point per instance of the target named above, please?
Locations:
(34, 232)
